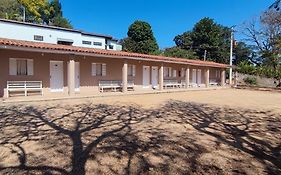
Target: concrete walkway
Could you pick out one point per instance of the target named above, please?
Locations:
(104, 94)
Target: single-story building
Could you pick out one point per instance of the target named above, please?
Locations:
(68, 70)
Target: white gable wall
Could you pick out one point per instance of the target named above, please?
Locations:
(26, 32)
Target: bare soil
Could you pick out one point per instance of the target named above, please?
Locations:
(198, 132)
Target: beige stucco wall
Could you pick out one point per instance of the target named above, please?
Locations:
(87, 81)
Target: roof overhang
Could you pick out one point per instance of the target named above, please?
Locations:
(73, 53)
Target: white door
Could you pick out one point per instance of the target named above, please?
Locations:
(56, 76)
(199, 77)
(194, 76)
(154, 76)
(146, 76)
(77, 76)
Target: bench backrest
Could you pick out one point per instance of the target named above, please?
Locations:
(171, 81)
(23, 84)
(109, 83)
(114, 83)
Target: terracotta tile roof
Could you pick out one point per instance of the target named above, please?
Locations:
(37, 45)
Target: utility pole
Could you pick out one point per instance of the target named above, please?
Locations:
(231, 54)
(205, 55)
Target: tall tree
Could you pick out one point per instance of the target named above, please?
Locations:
(56, 15)
(207, 36)
(179, 53)
(10, 9)
(140, 39)
(36, 10)
(243, 53)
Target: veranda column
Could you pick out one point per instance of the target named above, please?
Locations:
(161, 77)
(235, 78)
(207, 77)
(125, 77)
(187, 74)
(223, 77)
(71, 77)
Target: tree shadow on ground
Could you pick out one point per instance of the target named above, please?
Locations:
(179, 137)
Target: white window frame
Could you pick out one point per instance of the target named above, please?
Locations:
(103, 69)
(131, 70)
(218, 73)
(167, 72)
(182, 72)
(13, 67)
(174, 73)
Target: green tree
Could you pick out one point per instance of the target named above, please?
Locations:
(10, 9)
(207, 35)
(179, 53)
(36, 10)
(242, 53)
(56, 15)
(140, 39)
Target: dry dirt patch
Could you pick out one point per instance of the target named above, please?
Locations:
(150, 134)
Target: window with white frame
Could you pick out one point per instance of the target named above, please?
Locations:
(98, 69)
(182, 72)
(174, 73)
(131, 70)
(218, 74)
(20, 66)
(167, 72)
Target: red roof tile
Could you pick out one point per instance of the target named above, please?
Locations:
(37, 45)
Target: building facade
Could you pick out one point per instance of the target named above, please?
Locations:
(68, 69)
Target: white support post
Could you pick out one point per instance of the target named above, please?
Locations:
(187, 74)
(207, 77)
(223, 77)
(161, 78)
(125, 77)
(71, 77)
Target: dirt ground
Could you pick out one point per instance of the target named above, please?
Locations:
(198, 132)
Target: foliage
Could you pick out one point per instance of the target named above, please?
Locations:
(10, 9)
(36, 10)
(242, 52)
(56, 15)
(250, 80)
(179, 53)
(246, 67)
(207, 35)
(140, 39)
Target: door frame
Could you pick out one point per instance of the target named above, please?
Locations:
(50, 66)
(157, 76)
(148, 77)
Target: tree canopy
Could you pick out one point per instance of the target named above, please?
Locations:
(206, 35)
(10, 9)
(36, 11)
(140, 39)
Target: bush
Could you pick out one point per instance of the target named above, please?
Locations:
(250, 80)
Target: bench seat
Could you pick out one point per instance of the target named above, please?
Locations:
(114, 85)
(24, 86)
(172, 84)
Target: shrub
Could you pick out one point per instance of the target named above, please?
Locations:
(250, 80)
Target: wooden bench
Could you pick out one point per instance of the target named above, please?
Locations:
(24, 86)
(131, 85)
(213, 82)
(172, 84)
(109, 84)
(114, 85)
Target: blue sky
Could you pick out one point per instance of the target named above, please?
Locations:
(168, 18)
